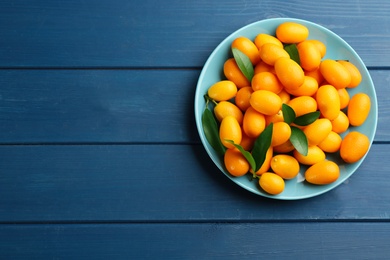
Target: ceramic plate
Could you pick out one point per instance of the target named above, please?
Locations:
(337, 48)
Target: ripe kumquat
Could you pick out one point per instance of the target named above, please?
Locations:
(247, 105)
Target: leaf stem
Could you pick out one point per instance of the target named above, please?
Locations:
(208, 98)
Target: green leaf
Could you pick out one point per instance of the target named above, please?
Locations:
(248, 156)
(299, 140)
(210, 129)
(288, 114)
(307, 119)
(244, 63)
(292, 50)
(261, 145)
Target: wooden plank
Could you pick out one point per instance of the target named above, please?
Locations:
(149, 34)
(131, 183)
(360, 240)
(111, 106)
(97, 106)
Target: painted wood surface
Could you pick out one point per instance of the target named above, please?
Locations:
(115, 106)
(146, 33)
(308, 240)
(144, 183)
(99, 154)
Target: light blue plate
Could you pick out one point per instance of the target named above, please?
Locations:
(337, 48)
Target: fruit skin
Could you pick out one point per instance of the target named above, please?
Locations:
(290, 74)
(266, 81)
(328, 101)
(271, 183)
(222, 90)
(253, 123)
(341, 123)
(246, 141)
(267, 162)
(242, 98)
(291, 32)
(321, 47)
(316, 74)
(285, 166)
(303, 105)
(358, 109)
(266, 102)
(317, 131)
(248, 47)
(235, 162)
(285, 96)
(322, 173)
(344, 97)
(262, 67)
(270, 53)
(281, 133)
(264, 38)
(309, 55)
(230, 130)
(314, 155)
(335, 73)
(233, 73)
(356, 77)
(354, 146)
(308, 88)
(278, 117)
(225, 108)
(331, 143)
(285, 147)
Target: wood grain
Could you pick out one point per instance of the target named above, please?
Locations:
(164, 183)
(147, 34)
(100, 158)
(197, 240)
(94, 106)
(115, 106)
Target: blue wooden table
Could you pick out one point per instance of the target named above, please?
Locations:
(99, 153)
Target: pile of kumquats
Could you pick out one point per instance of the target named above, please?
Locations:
(282, 106)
